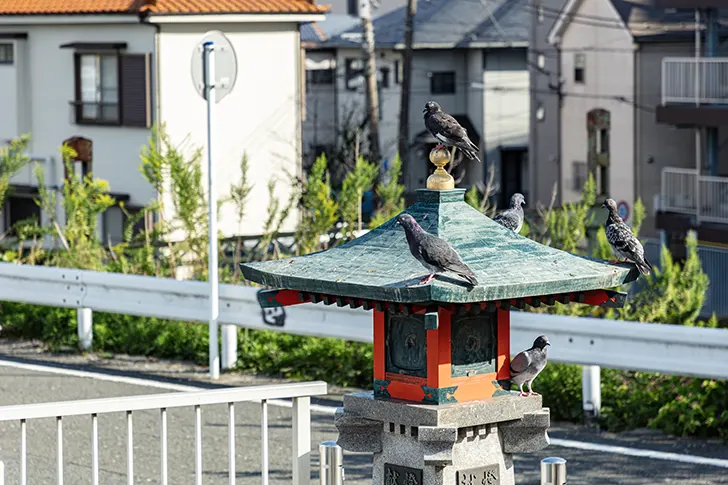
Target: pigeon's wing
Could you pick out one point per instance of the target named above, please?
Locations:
(438, 252)
(447, 127)
(520, 362)
(508, 219)
(622, 240)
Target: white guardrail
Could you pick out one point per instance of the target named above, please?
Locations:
(670, 349)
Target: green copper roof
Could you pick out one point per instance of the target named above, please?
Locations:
(379, 266)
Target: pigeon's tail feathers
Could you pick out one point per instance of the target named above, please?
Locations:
(465, 272)
(644, 266)
(470, 154)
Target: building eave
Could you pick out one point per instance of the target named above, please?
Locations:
(234, 18)
(70, 19)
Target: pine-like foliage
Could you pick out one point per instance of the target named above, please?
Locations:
(357, 181)
(390, 193)
(318, 208)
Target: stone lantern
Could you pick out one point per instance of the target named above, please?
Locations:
(440, 410)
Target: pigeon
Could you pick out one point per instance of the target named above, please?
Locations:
(527, 365)
(624, 244)
(512, 218)
(448, 131)
(435, 254)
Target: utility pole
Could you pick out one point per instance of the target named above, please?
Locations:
(404, 100)
(365, 13)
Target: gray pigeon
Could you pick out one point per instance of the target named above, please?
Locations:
(435, 254)
(512, 218)
(624, 244)
(527, 365)
(448, 131)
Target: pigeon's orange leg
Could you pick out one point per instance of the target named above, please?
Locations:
(531, 391)
(521, 388)
(427, 279)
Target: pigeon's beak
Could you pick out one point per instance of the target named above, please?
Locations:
(424, 110)
(548, 343)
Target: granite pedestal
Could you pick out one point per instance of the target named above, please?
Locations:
(468, 443)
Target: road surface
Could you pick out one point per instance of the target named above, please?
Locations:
(28, 375)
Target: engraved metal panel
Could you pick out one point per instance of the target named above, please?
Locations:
(406, 346)
(474, 344)
(401, 475)
(483, 475)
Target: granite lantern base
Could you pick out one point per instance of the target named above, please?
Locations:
(469, 443)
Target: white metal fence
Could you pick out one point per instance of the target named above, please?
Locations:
(301, 427)
(680, 192)
(687, 80)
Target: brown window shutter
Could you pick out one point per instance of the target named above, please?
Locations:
(135, 84)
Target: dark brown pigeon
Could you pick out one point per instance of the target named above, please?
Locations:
(435, 254)
(527, 365)
(448, 131)
(624, 244)
(512, 218)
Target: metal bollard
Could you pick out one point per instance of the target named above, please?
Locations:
(331, 463)
(553, 471)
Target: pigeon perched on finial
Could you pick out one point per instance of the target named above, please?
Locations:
(624, 244)
(435, 254)
(527, 365)
(448, 131)
(512, 218)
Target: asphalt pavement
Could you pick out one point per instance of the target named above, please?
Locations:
(22, 385)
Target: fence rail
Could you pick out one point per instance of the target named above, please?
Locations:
(301, 446)
(680, 192)
(592, 342)
(680, 85)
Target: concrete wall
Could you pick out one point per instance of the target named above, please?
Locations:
(260, 117)
(609, 85)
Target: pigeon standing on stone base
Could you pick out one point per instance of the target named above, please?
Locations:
(527, 365)
(435, 254)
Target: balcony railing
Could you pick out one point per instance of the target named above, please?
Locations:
(679, 80)
(680, 190)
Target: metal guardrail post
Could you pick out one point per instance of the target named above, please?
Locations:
(553, 471)
(85, 319)
(331, 463)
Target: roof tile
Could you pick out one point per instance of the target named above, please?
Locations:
(172, 7)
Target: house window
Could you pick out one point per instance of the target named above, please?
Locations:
(602, 140)
(398, 72)
(579, 173)
(19, 208)
(319, 76)
(112, 89)
(442, 82)
(7, 53)
(580, 68)
(384, 77)
(354, 73)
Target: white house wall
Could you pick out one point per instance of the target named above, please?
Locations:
(609, 75)
(260, 117)
(43, 80)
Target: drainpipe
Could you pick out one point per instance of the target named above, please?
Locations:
(711, 47)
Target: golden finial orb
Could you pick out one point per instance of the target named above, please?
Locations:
(440, 179)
